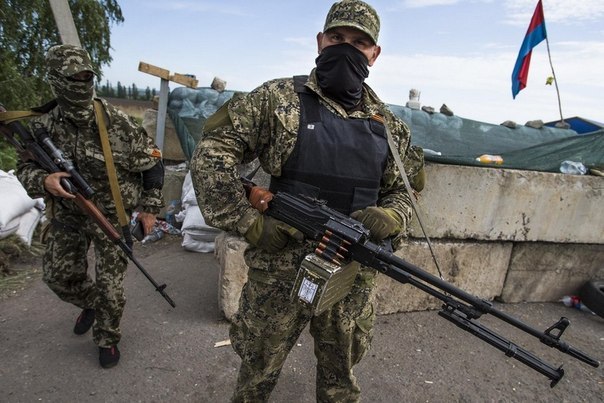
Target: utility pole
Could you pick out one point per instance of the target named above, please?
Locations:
(65, 24)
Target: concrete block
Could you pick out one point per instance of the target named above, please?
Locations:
(476, 268)
(547, 272)
(494, 204)
(233, 272)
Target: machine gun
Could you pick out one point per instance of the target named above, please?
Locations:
(341, 237)
(42, 151)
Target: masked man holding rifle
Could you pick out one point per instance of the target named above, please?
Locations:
(76, 122)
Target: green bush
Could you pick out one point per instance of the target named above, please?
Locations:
(8, 156)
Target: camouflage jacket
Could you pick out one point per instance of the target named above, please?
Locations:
(133, 152)
(264, 124)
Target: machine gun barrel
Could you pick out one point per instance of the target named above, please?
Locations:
(314, 219)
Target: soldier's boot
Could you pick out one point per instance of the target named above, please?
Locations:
(109, 356)
(84, 321)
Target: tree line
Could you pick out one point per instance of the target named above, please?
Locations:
(27, 30)
(107, 90)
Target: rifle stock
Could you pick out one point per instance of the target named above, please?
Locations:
(318, 222)
(51, 159)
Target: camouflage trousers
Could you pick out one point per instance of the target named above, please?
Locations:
(65, 268)
(269, 322)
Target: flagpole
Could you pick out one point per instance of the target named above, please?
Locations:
(555, 79)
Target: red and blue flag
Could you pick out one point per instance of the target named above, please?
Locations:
(534, 35)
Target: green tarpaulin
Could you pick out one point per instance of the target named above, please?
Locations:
(445, 139)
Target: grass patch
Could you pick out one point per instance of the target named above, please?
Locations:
(20, 265)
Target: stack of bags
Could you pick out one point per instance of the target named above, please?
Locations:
(19, 213)
(197, 236)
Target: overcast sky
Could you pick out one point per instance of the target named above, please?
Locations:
(457, 52)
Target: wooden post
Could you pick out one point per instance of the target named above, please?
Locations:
(162, 106)
(65, 24)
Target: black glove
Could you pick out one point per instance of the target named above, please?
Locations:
(270, 234)
(381, 222)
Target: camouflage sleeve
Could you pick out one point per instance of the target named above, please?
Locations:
(142, 155)
(394, 193)
(152, 201)
(235, 139)
(31, 175)
(32, 178)
(146, 155)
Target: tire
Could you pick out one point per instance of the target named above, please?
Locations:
(592, 296)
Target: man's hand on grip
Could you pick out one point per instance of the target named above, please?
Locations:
(381, 222)
(270, 234)
(52, 184)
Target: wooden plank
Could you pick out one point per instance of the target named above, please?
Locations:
(64, 19)
(154, 70)
(186, 80)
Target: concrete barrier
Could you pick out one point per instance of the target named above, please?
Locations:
(494, 204)
(497, 233)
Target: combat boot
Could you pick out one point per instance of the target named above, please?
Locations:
(84, 321)
(109, 356)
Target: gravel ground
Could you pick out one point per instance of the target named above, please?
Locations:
(170, 354)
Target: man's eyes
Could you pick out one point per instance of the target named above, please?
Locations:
(364, 43)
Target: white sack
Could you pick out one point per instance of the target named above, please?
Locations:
(197, 235)
(14, 201)
(28, 223)
(9, 228)
(193, 245)
(188, 193)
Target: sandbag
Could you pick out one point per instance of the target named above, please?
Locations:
(197, 235)
(14, 201)
(28, 223)
(195, 225)
(193, 245)
(10, 228)
(187, 197)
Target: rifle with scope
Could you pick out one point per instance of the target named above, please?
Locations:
(40, 149)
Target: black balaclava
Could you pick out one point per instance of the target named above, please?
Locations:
(341, 71)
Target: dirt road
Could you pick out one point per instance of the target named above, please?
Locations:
(169, 355)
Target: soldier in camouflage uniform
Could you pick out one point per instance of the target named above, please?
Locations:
(71, 124)
(321, 135)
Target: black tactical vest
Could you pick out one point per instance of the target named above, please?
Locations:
(335, 159)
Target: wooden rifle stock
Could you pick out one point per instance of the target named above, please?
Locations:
(93, 212)
(99, 218)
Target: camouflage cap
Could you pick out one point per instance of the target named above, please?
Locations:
(68, 60)
(356, 14)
